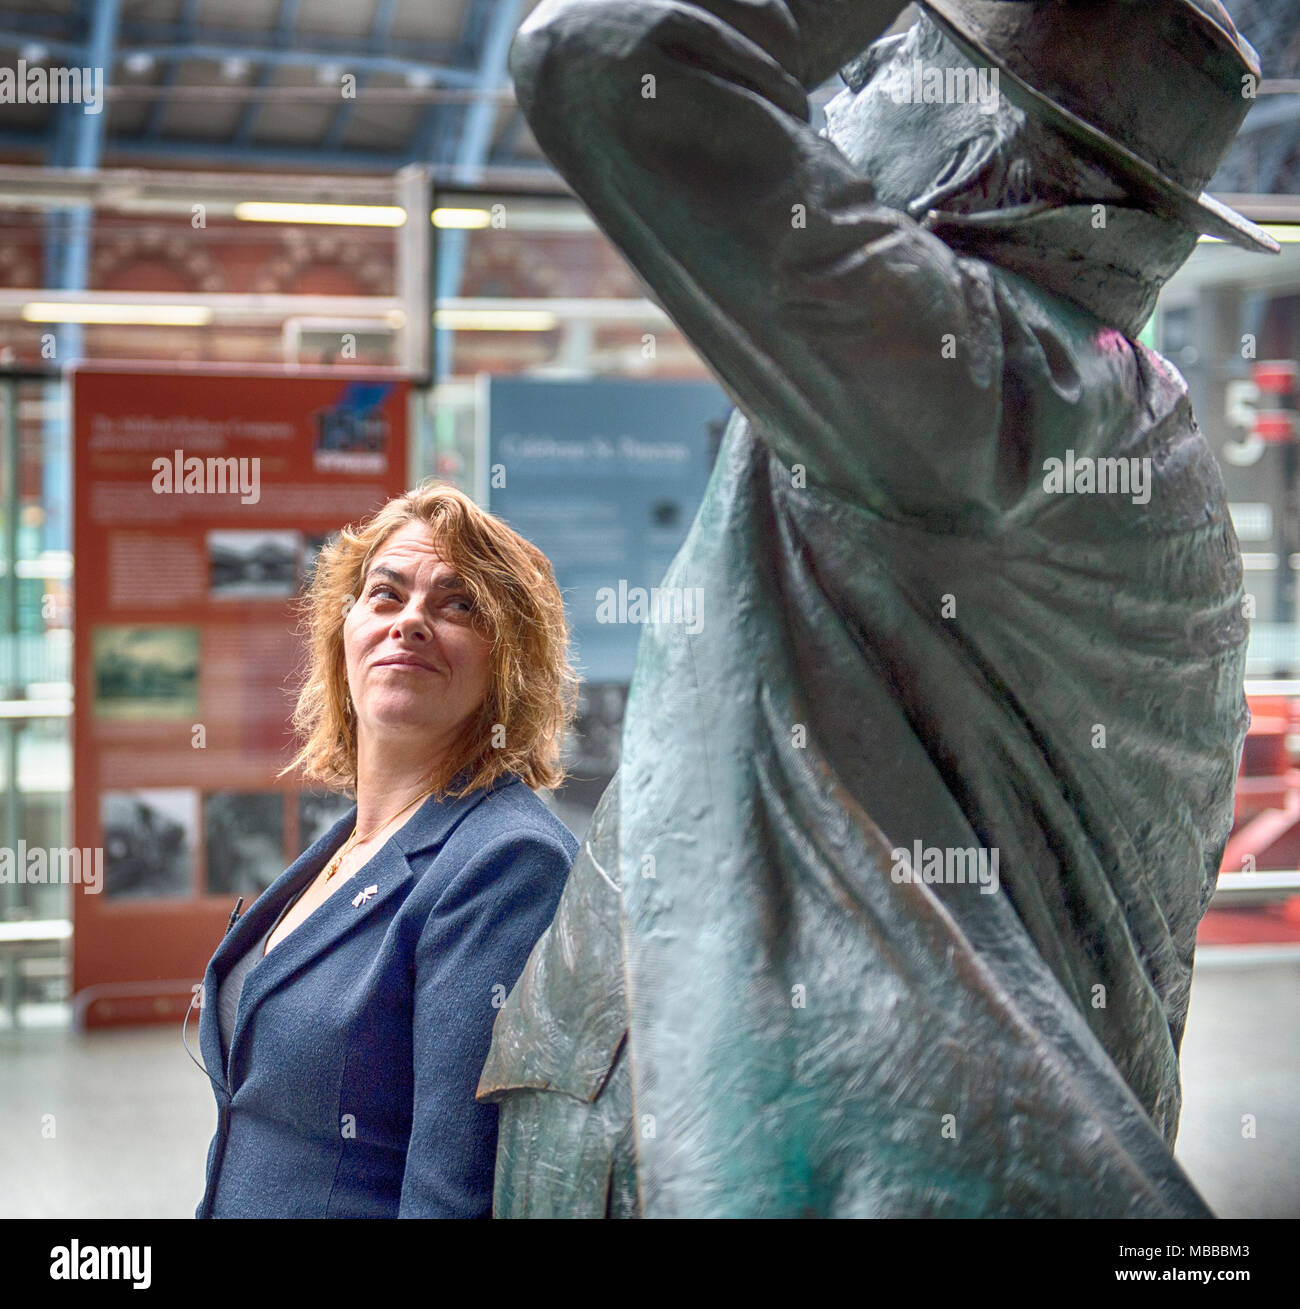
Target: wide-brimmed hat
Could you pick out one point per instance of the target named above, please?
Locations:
(1157, 88)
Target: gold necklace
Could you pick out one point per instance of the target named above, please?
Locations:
(352, 840)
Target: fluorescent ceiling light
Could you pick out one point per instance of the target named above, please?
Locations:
(265, 211)
(469, 218)
(495, 320)
(1282, 233)
(39, 311)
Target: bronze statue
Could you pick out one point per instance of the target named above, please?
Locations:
(891, 910)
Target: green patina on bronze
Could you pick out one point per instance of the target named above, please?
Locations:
(743, 1006)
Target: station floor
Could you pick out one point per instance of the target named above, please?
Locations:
(132, 1116)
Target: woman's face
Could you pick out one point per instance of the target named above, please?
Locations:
(413, 607)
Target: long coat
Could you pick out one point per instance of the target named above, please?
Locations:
(358, 1041)
(924, 643)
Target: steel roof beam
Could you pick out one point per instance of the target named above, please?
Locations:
(381, 31)
(284, 25)
(157, 115)
(499, 22)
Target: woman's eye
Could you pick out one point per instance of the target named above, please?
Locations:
(462, 604)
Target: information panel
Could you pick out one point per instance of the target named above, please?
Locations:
(200, 501)
(604, 476)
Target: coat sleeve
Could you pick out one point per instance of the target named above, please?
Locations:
(858, 343)
(471, 951)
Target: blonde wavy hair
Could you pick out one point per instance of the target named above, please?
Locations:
(532, 695)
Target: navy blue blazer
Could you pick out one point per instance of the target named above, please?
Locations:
(358, 1041)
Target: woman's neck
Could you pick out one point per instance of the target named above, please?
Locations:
(388, 781)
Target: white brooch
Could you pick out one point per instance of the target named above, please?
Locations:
(362, 896)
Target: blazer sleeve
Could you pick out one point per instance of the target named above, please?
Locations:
(471, 950)
(858, 343)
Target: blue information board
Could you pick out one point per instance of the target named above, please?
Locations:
(604, 476)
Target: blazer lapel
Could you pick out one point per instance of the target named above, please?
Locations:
(254, 921)
(365, 893)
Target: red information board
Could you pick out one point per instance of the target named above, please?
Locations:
(200, 501)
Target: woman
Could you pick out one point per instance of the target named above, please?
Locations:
(346, 1016)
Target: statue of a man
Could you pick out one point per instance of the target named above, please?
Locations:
(892, 907)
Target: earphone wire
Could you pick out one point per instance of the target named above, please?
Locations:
(196, 1002)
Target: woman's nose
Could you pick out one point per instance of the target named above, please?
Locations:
(411, 623)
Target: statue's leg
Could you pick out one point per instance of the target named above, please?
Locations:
(560, 1157)
(558, 1065)
(622, 1199)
